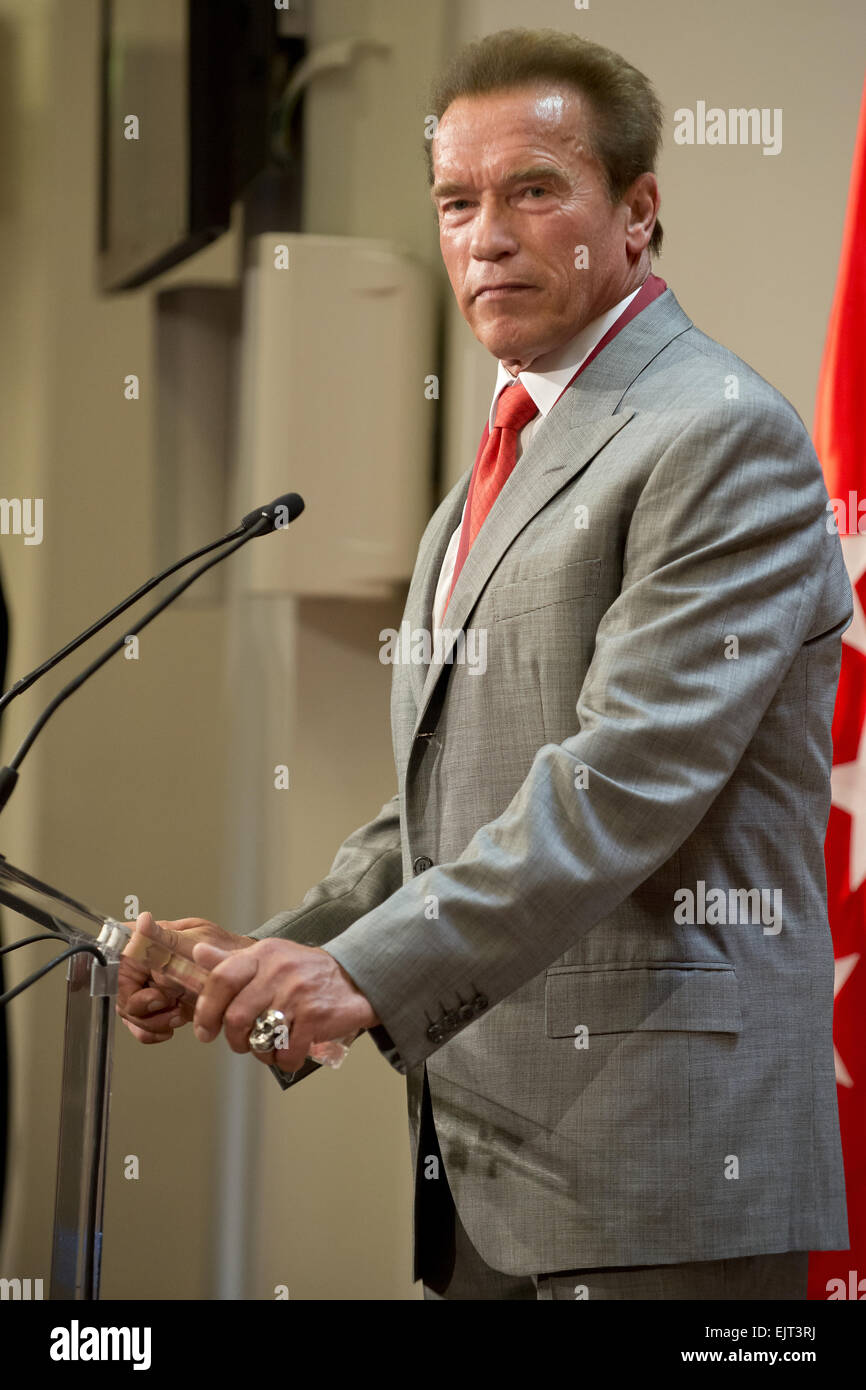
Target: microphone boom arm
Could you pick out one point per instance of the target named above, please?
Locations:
(9, 774)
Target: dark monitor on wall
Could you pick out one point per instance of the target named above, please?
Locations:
(186, 104)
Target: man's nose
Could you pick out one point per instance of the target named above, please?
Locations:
(493, 232)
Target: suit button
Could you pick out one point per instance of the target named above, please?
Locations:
(421, 864)
(449, 1022)
(479, 1003)
(436, 1032)
(465, 1013)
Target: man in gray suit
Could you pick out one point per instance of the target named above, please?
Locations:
(590, 928)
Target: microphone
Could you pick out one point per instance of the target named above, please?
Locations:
(275, 516)
(279, 512)
(283, 510)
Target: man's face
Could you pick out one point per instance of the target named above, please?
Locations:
(518, 192)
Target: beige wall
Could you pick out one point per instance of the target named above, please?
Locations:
(128, 791)
(125, 774)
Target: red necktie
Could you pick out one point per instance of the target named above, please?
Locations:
(497, 453)
(496, 459)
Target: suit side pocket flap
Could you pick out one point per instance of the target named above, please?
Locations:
(678, 998)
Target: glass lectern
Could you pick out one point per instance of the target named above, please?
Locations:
(93, 944)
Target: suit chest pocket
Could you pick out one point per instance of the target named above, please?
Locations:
(575, 580)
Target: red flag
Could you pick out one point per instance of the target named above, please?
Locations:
(840, 441)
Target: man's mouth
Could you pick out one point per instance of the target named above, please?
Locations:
(501, 291)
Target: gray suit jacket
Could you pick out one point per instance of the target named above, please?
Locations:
(596, 906)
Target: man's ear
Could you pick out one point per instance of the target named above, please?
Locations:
(642, 200)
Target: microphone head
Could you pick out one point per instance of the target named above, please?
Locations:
(280, 512)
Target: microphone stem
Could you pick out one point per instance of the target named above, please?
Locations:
(81, 948)
(26, 681)
(265, 523)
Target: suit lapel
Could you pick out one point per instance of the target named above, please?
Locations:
(553, 459)
(431, 553)
(579, 426)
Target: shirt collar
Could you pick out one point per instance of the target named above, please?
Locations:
(546, 387)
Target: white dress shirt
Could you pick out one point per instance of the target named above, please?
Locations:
(545, 388)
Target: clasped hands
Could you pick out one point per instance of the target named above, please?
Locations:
(247, 977)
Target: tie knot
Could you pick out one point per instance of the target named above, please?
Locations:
(514, 408)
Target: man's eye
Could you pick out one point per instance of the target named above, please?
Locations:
(536, 188)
